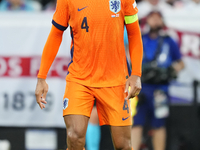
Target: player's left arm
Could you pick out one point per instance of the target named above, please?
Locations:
(136, 55)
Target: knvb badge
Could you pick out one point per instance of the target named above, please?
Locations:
(65, 103)
(115, 6)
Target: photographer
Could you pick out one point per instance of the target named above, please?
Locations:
(161, 63)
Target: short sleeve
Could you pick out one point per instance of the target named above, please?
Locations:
(130, 7)
(61, 15)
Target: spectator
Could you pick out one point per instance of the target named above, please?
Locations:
(18, 5)
(147, 6)
(161, 62)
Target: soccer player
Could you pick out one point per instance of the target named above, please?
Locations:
(98, 68)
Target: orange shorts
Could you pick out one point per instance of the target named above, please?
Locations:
(111, 105)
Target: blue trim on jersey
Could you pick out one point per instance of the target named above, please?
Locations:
(72, 54)
(129, 67)
(72, 35)
(72, 49)
(60, 27)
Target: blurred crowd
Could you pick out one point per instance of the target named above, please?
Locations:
(147, 5)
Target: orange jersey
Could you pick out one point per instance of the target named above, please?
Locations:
(97, 49)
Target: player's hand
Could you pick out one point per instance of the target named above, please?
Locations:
(41, 92)
(134, 82)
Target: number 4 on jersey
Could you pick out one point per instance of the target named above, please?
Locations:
(84, 24)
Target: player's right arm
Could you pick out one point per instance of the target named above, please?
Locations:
(60, 23)
(49, 53)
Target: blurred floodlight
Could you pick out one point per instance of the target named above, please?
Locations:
(4, 145)
(40, 140)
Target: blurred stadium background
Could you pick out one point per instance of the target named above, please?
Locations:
(23, 126)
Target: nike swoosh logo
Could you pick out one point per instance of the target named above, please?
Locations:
(125, 118)
(82, 8)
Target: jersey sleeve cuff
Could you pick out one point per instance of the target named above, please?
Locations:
(60, 27)
(131, 19)
(41, 76)
(136, 73)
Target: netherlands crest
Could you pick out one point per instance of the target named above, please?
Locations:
(115, 5)
(65, 103)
